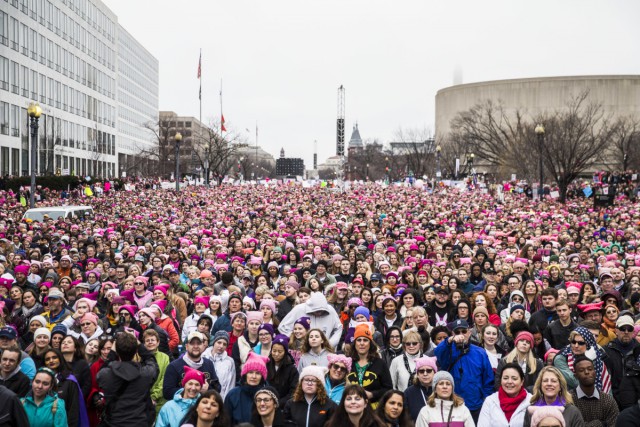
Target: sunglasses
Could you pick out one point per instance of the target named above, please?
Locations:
(339, 368)
(138, 283)
(580, 343)
(411, 343)
(86, 324)
(611, 312)
(425, 371)
(627, 329)
(460, 332)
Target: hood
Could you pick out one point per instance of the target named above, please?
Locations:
(317, 302)
(183, 402)
(127, 371)
(15, 371)
(514, 293)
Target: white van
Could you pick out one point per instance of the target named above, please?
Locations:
(55, 212)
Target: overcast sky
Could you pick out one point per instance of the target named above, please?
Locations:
(282, 62)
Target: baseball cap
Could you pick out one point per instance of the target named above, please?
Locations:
(458, 324)
(196, 334)
(8, 332)
(622, 321)
(375, 277)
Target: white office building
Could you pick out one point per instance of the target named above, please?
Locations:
(64, 55)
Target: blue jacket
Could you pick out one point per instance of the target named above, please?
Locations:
(175, 372)
(334, 393)
(42, 415)
(223, 323)
(472, 372)
(173, 411)
(415, 398)
(239, 402)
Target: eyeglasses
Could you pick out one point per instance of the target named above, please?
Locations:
(411, 344)
(394, 337)
(425, 371)
(309, 381)
(261, 400)
(611, 312)
(460, 331)
(580, 343)
(517, 299)
(626, 329)
(138, 283)
(339, 368)
(86, 324)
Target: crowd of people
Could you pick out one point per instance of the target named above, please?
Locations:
(281, 305)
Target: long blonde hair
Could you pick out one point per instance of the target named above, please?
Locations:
(537, 387)
(530, 359)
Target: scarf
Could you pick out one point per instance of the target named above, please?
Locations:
(191, 363)
(510, 404)
(596, 354)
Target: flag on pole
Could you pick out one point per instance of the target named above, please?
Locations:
(222, 128)
(199, 74)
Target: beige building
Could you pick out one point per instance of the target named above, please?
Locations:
(619, 95)
(190, 128)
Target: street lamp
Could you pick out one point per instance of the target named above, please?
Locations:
(438, 171)
(178, 139)
(386, 169)
(471, 169)
(34, 111)
(540, 134)
(206, 169)
(367, 174)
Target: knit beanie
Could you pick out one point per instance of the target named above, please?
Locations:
(281, 339)
(269, 303)
(517, 307)
(42, 331)
(539, 413)
(220, 335)
(201, 300)
(304, 321)
(254, 315)
(38, 318)
(59, 329)
(362, 310)
(316, 371)
(482, 310)
(266, 327)
(363, 330)
(426, 361)
(255, 362)
(295, 285)
(340, 358)
(525, 335)
(192, 374)
(89, 317)
(442, 376)
(272, 392)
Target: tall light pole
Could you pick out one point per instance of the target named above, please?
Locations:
(34, 111)
(471, 170)
(178, 139)
(540, 134)
(438, 171)
(206, 167)
(367, 174)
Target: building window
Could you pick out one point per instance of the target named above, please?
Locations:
(15, 120)
(4, 73)
(4, 28)
(4, 118)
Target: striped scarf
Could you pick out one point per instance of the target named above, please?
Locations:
(596, 354)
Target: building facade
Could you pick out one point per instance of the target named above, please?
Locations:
(289, 166)
(137, 97)
(64, 55)
(191, 130)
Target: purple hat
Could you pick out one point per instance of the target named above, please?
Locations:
(281, 339)
(305, 322)
(267, 327)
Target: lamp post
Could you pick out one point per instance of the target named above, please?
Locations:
(386, 168)
(438, 171)
(367, 174)
(206, 171)
(34, 111)
(178, 139)
(540, 134)
(471, 170)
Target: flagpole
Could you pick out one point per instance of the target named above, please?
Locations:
(200, 118)
(221, 113)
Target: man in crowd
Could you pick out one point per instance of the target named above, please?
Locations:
(623, 355)
(597, 408)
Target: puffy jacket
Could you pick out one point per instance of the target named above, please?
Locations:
(127, 390)
(167, 325)
(190, 324)
(42, 415)
(329, 324)
(492, 415)
(334, 391)
(416, 398)
(156, 391)
(400, 377)
(284, 380)
(440, 414)
(225, 370)
(174, 410)
(625, 373)
(376, 379)
(239, 402)
(312, 414)
(472, 372)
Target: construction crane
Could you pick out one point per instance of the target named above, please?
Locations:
(340, 123)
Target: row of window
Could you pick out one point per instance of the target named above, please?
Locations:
(50, 16)
(36, 46)
(21, 80)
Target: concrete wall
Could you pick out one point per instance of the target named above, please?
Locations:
(620, 95)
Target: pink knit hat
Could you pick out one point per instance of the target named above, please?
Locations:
(192, 374)
(254, 315)
(339, 358)
(525, 335)
(425, 361)
(257, 363)
(269, 303)
(539, 413)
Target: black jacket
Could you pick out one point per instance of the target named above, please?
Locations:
(12, 412)
(302, 414)
(127, 390)
(284, 380)
(381, 324)
(18, 383)
(376, 379)
(69, 392)
(81, 371)
(415, 398)
(625, 373)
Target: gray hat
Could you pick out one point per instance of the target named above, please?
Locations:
(221, 335)
(442, 376)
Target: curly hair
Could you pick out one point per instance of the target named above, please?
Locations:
(321, 392)
(491, 307)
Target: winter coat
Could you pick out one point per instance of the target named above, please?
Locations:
(313, 414)
(70, 393)
(17, 382)
(625, 373)
(471, 370)
(156, 391)
(492, 415)
(175, 372)
(310, 358)
(400, 377)
(416, 398)
(174, 410)
(284, 379)
(80, 370)
(190, 324)
(459, 414)
(376, 379)
(329, 324)
(42, 415)
(382, 326)
(166, 323)
(12, 412)
(241, 349)
(223, 323)
(127, 390)
(389, 353)
(239, 402)
(256, 421)
(529, 379)
(225, 370)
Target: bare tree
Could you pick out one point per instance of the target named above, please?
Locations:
(220, 151)
(366, 162)
(163, 135)
(415, 150)
(625, 150)
(453, 146)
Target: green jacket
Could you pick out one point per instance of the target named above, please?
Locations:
(43, 415)
(156, 391)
